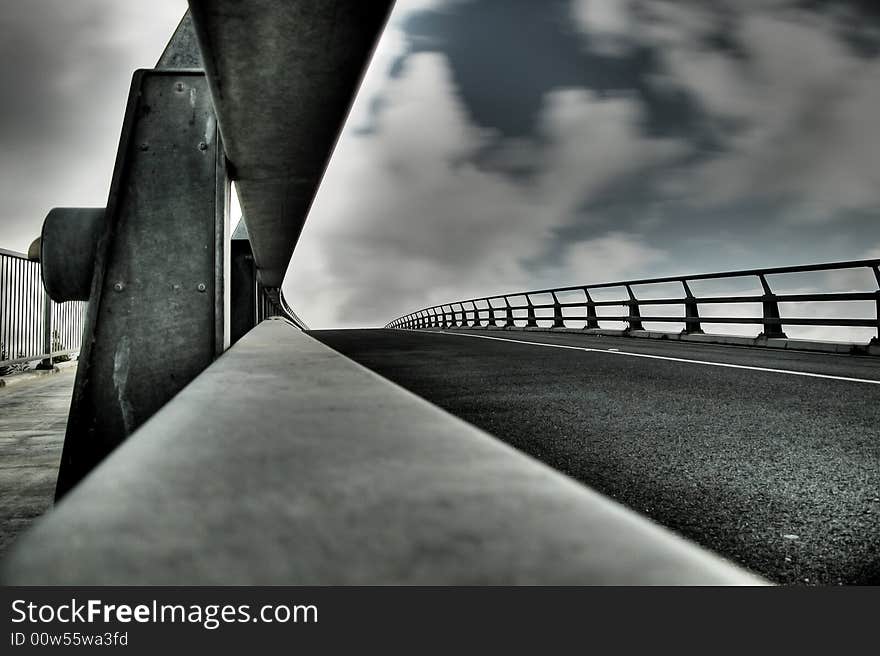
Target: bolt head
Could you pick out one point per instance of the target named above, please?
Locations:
(118, 286)
(202, 287)
(203, 145)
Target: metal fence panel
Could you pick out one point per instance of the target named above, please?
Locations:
(32, 326)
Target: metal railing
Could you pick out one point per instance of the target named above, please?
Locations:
(271, 303)
(32, 326)
(499, 311)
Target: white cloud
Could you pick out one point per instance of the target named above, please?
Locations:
(804, 104)
(612, 256)
(405, 218)
(608, 24)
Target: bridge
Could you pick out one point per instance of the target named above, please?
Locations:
(601, 433)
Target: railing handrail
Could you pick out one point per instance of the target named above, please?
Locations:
(41, 356)
(438, 316)
(8, 253)
(805, 268)
(291, 314)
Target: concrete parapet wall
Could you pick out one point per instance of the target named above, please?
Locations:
(872, 348)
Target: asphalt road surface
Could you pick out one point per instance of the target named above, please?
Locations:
(777, 470)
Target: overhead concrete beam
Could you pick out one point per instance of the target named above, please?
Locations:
(334, 475)
(283, 75)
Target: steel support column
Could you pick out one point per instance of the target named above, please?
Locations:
(243, 290)
(152, 322)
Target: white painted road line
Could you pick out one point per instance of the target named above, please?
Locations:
(666, 357)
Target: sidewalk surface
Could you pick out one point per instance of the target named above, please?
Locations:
(33, 417)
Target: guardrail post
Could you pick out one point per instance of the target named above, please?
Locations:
(691, 312)
(531, 319)
(876, 340)
(558, 319)
(477, 323)
(493, 319)
(159, 269)
(453, 322)
(592, 318)
(509, 314)
(772, 329)
(634, 319)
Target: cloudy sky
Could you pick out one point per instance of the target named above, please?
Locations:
(499, 145)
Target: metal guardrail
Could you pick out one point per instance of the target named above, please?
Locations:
(32, 326)
(271, 303)
(500, 312)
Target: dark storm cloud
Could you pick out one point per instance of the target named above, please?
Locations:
(506, 55)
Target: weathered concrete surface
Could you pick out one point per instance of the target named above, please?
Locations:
(312, 470)
(33, 416)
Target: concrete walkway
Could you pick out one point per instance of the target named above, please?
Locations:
(33, 416)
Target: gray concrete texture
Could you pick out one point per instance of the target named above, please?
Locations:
(33, 415)
(287, 463)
